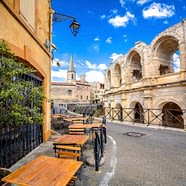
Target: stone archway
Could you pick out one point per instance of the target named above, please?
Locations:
(138, 113)
(134, 61)
(172, 116)
(167, 54)
(119, 111)
(117, 71)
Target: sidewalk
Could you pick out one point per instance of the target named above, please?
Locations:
(88, 174)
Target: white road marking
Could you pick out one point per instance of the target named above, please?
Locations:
(113, 161)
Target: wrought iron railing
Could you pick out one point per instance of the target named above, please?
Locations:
(16, 142)
(165, 117)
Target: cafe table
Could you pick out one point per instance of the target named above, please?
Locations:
(85, 126)
(72, 119)
(72, 139)
(44, 171)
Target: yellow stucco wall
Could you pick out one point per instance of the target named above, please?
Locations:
(29, 45)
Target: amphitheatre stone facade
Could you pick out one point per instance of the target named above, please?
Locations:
(148, 85)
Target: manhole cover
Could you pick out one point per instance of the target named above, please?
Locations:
(134, 134)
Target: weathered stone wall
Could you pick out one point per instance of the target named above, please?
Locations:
(149, 75)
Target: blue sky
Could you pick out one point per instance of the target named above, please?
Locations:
(109, 28)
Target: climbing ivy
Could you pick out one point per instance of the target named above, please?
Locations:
(20, 99)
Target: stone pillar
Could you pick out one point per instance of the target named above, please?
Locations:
(184, 120)
(182, 57)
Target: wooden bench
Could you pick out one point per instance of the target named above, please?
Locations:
(68, 154)
(76, 131)
(67, 150)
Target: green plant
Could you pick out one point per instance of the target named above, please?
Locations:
(20, 99)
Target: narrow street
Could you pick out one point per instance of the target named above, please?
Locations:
(156, 157)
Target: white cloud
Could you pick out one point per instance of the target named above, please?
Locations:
(96, 39)
(109, 40)
(165, 22)
(125, 38)
(96, 48)
(114, 56)
(142, 2)
(176, 62)
(90, 65)
(94, 75)
(121, 21)
(102, 67)
(114, 11)
(60, 74)
(158, 10)
(122, 2)
(103, 16)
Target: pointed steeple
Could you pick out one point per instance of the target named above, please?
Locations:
(71, 64)
(71, 74)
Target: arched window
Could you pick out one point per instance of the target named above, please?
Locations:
(167, 54)
(135, 66)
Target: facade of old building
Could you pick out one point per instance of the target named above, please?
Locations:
(97, 91)
(73, 91)
(148, 84)
(26, 28)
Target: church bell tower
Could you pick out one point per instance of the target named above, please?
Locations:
(71, 74)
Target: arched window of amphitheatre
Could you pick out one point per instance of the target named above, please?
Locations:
(167, 54)
(135, 66)
(138, 113)
(172, 116)
(119, 112)
(117, 71)
(108, 79)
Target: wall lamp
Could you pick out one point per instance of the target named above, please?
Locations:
(74, 26)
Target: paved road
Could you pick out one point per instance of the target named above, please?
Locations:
(158, 157)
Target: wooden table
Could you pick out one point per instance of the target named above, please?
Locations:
(44, 171)
(85, 126)
(72, 139)
(75, 119)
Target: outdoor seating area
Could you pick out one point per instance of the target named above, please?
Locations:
(69, 154)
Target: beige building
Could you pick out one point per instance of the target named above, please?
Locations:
(26, 28)
(70, 92)
(148, 85)
(97, 91)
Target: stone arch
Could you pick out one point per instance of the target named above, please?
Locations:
(138, 113)
(134, 63)
(166, 51)
(117, 72)
(119, 110)
(172, 115)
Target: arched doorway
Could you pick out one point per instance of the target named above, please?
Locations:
(119, 112)
(172, 116)
(138, 113)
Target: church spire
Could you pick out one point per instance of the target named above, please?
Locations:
(71, 74)
(71, 64)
